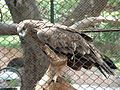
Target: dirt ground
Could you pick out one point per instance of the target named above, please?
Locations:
(7, 54)
(83, 77)
(91, 78)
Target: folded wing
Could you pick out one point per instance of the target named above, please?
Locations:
(77, 47)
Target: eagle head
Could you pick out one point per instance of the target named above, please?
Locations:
(24, 26)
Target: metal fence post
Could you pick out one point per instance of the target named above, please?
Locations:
(52, 11)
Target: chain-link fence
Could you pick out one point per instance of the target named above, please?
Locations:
(24, 60)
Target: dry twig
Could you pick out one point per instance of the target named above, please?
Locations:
(91, 21)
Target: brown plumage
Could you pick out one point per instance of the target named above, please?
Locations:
(75, 46)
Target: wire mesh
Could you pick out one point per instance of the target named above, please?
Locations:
(24, 52)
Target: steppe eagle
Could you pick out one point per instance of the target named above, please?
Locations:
(76, 46)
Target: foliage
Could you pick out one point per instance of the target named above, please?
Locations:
(118, 65)
(12, 83)
(114, 2)
(5, 16)
(61, 8)
(9, 41)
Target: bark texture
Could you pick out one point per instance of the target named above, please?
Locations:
(6, 29)
(23, 9)
(85, 8)
(35, 64)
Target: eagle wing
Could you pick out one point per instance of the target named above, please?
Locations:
(67, 42)
(75, 46)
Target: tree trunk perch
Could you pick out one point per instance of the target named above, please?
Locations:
(54, 71)
(6, 29)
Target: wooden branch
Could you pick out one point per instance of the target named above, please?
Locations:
(47, 83)
(50, 80)
(61, 84)
(57, 62)
(6, 29)
(46, 79)
(88, 22)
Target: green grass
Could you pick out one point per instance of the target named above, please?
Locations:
(118, 65)
(9, 41)
(12, 83)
